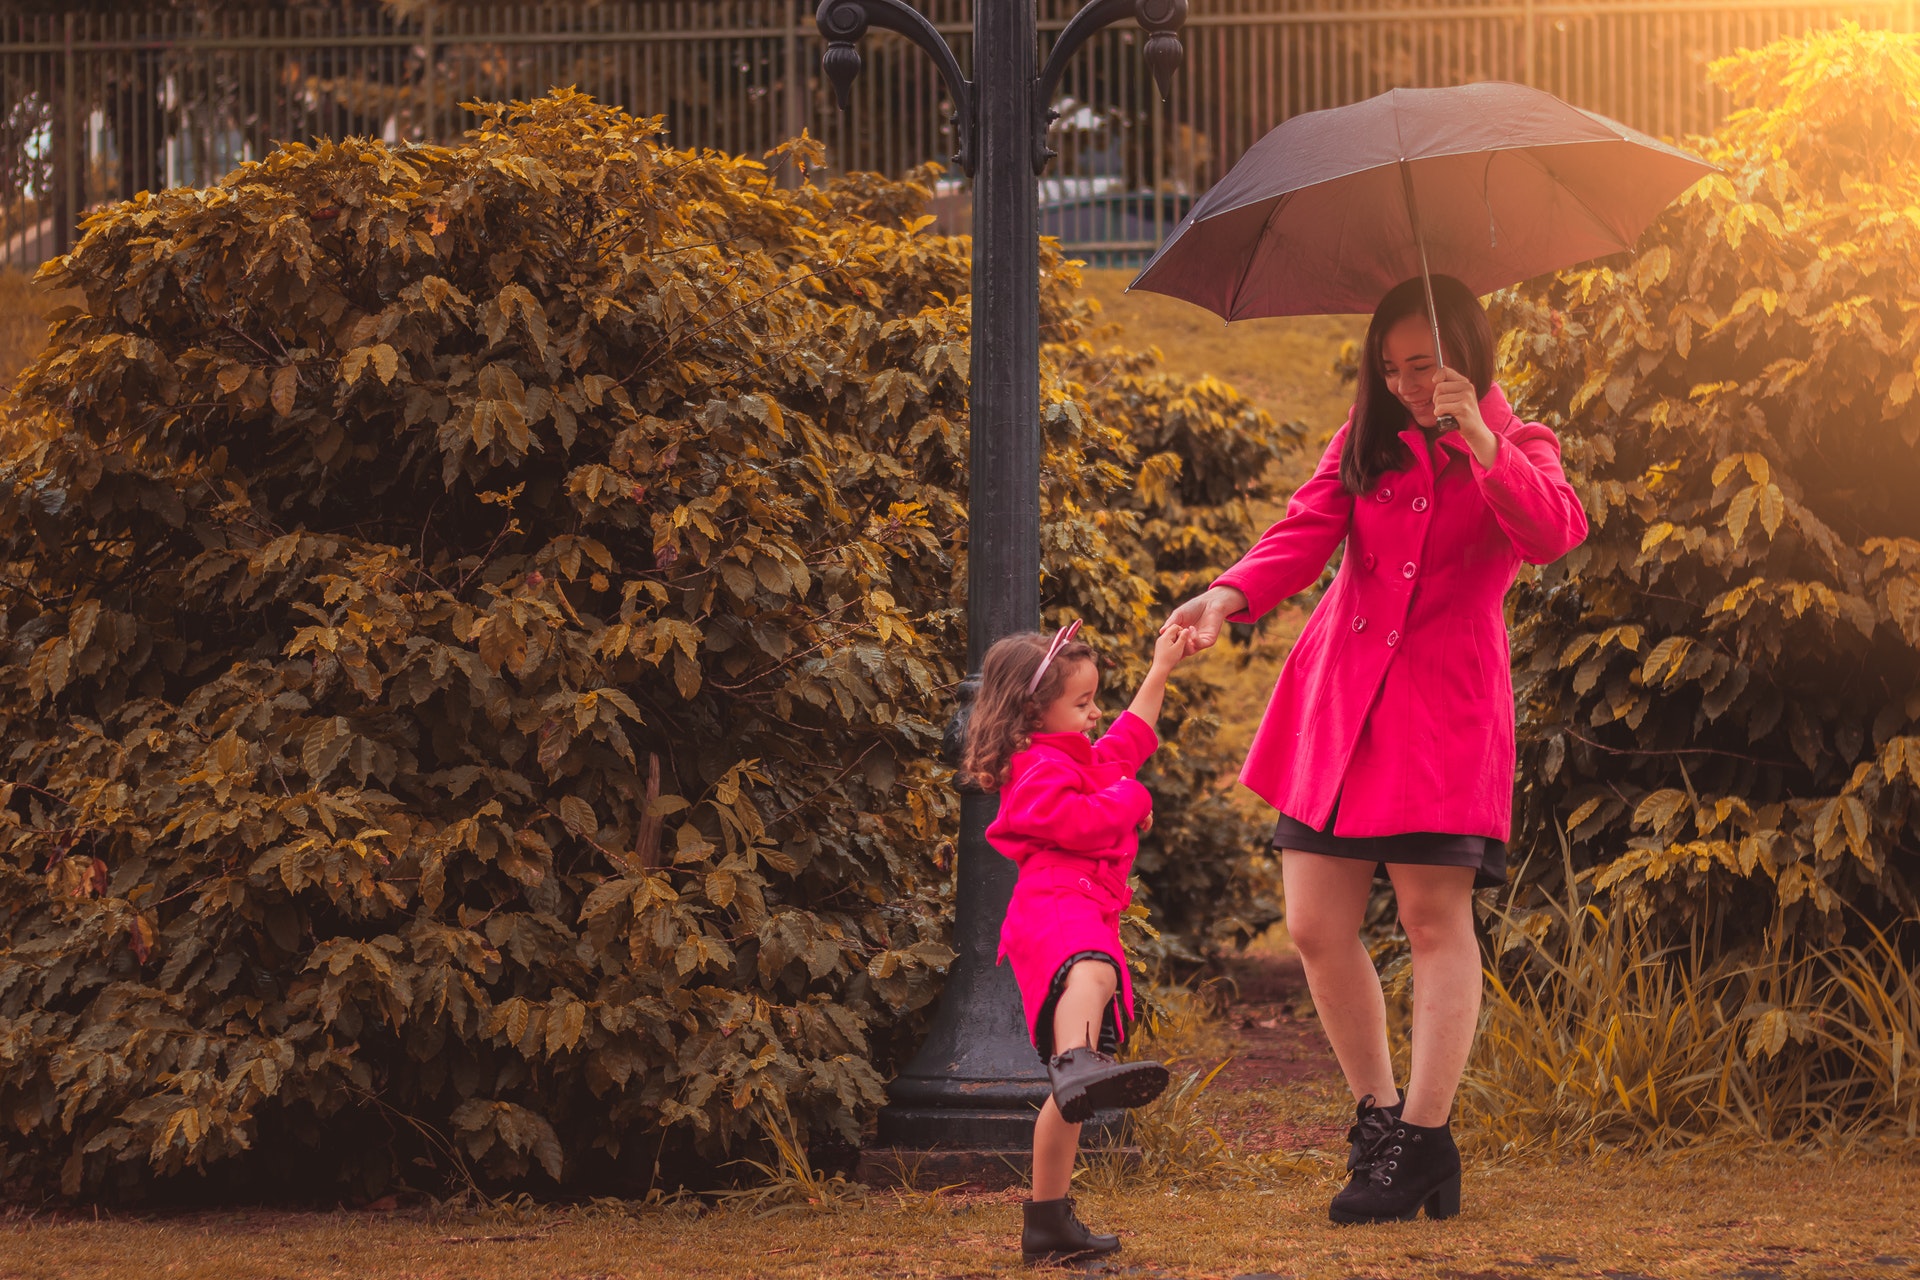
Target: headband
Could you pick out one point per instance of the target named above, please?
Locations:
(1060, 640)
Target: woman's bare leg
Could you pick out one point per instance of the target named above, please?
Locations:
(1326, 904)
(1436, 911)
(1076, 1024)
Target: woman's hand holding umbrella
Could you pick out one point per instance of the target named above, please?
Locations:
(1454, 397)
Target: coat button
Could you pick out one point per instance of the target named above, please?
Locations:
(1385, 495)
(1368, 562)
(1406, 570)
(1419, 504)
(1393, 638)
(1359, 624)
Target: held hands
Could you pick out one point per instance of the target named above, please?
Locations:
(1174, 644)
(1146, 825)
(1205, 616)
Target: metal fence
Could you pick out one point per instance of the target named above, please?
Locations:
(99, 106)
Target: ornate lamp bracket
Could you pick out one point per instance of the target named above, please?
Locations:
(843, 22)
(1160, 19)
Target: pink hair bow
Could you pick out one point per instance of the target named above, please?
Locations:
(1060, 641)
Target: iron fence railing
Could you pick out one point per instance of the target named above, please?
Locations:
(99, 106)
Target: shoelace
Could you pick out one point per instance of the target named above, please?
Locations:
(1383, 1165)
(1369, 1131)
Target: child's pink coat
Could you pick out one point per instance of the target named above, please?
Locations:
(1068, 818)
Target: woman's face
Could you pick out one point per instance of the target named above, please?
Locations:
(1074, 711)
(1408, 366)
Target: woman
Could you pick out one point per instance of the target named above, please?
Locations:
(1389, 739)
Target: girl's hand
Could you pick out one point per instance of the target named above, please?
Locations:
(1146, 825)
(1206, 614)
(1173, 644)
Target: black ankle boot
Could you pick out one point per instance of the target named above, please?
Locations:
(1371, 1125)
(1053, 1234)
(1086, 1080)
(1410, 1169)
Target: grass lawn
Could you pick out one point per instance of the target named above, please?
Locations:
(1739, 1214)
(1285, 366)
(1754, 1217)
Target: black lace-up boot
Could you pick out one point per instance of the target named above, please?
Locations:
(1086, 1080)
(1411, 1169)
(1054, 1234)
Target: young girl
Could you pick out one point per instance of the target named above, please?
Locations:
(1071, 815)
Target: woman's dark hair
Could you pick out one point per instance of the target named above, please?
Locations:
(1004, 715)
(1374, 446)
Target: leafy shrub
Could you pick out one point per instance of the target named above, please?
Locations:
(478, 624)
(1720, 690)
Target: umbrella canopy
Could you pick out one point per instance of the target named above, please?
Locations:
(1498, 182)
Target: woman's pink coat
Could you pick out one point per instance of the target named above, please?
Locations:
(1068, 817)
(1397, 700)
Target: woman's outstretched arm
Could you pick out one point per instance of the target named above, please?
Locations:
(1287, 560)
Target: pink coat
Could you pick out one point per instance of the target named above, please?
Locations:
(1397, 701)
(1067, 817)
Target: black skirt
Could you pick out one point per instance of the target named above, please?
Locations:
(1111, 1032)
(1487, 856)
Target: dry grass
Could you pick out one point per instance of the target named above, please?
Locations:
(1612, 1043)
(1756, 1218)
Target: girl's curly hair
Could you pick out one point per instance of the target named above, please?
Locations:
(1004, 716)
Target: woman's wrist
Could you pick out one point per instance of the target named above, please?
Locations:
(1480, 439)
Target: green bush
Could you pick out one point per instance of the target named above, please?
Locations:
(478, 626)
(1721, 689)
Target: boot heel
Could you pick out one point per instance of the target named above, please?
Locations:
(1445, 1200)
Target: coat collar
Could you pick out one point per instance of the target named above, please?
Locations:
(1495, 411)
(1076, 746)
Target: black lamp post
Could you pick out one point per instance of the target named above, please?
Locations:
(976, 1083)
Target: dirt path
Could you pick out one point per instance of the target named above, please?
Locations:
(1281, 1060)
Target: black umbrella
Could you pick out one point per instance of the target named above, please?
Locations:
(1491, 183)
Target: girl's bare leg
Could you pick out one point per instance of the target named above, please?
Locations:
(1436, 911)
(1326, 904)
(1076, 1024)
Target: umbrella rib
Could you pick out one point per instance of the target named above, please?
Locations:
(1233, 299)
(1585, 208)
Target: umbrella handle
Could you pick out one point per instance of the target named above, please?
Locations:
(1447, 422)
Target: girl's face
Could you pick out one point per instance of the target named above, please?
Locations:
(1074, 710)
(1408, 366)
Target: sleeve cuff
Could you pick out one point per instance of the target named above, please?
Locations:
(1502, 458)
(1253, 611)
(1139, 731)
